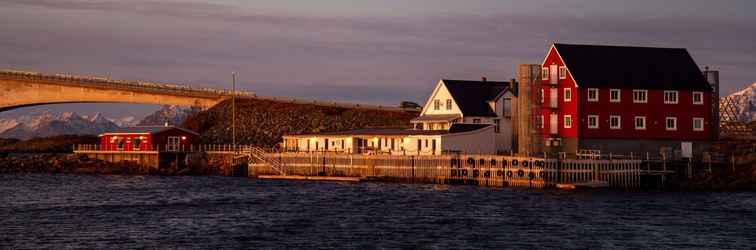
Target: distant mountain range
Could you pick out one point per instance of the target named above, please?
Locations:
(747, 104)
(43, 123)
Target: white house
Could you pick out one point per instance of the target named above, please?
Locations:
(471, 117)
(476, 102)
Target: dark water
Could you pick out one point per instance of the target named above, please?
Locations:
(55, 211)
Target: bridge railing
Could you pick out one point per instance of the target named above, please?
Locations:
(146, 86)
(131, 85)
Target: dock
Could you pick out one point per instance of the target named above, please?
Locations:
(310, 178)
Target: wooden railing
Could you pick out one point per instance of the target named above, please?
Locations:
(488, 170)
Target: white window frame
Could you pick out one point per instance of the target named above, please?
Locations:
(567, 94)
(635, 123)
(562, 72)
(565, 122)
(676, 95)
(448, 104)
(619, 95)
(595, 120)
(694, 124)
(545, 73)
(596, 97)
(619, 122)
(436, 104)
(666, 123)
(701, 99)
(645, 94)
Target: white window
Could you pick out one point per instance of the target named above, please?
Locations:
(562, 72)
(497, 125)
(698, 124)
(593, 121)
(545, 73)
(540, 121)
(670, 97)
(614, 95)
(436, 104)
(615, 122)
(568, 121)
(567, 94)
(640, 96)
(640, 122)
(448, 104)
(476, 121)
(697, 97)
(671, 123)
(593, 95)
(553, 74)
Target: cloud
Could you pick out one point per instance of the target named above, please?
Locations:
(381, 60)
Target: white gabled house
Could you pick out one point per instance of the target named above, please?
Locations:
(473, 102)
(459, 117)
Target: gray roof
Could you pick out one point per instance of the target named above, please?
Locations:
(448, 117)
(455, 128)
(601, 66)
(472, 97)
(147, 130)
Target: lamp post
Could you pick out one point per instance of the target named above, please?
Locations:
(233, 110)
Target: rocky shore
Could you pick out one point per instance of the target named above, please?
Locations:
(81, 164)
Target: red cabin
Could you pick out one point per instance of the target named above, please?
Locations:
(623, 99)
(148, 138)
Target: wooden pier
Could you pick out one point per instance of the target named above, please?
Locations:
(483, 170)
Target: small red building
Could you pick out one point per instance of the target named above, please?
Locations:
(148, 138)
(623, 99)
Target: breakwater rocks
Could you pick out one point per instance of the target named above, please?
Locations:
(64, 163)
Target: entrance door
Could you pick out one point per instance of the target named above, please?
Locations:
(554, 124)
(173, 143)
(554, 74)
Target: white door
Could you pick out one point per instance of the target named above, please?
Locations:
(553, 98)
(554, 71)
(554, 124)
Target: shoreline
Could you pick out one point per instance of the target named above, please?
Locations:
(721, 180)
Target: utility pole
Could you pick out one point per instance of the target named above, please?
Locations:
(233, 110)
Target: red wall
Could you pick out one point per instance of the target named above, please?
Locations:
(564, 108)
(151, 142)
(107, 142)
(655, 111)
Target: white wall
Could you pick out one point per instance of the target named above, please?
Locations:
(475, 142)
(442, 94)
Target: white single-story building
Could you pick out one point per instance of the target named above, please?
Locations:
(460, 138)
(473, 117)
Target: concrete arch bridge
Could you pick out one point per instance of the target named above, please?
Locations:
(21, 89)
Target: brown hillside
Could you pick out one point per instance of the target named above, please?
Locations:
(264, 122)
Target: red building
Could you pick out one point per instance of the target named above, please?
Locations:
(148, 138)
(623, 99)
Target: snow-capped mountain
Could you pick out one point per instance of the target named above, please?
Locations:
(45, 123)
(173, 115)
(126, 121)
(747, 103)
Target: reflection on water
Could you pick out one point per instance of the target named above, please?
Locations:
(38, 211)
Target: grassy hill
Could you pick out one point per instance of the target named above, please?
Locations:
(264, 122)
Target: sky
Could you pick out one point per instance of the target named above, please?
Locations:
(379, 52)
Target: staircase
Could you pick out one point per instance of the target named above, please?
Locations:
(255, 153)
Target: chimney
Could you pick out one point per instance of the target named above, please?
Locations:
(483, 78)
